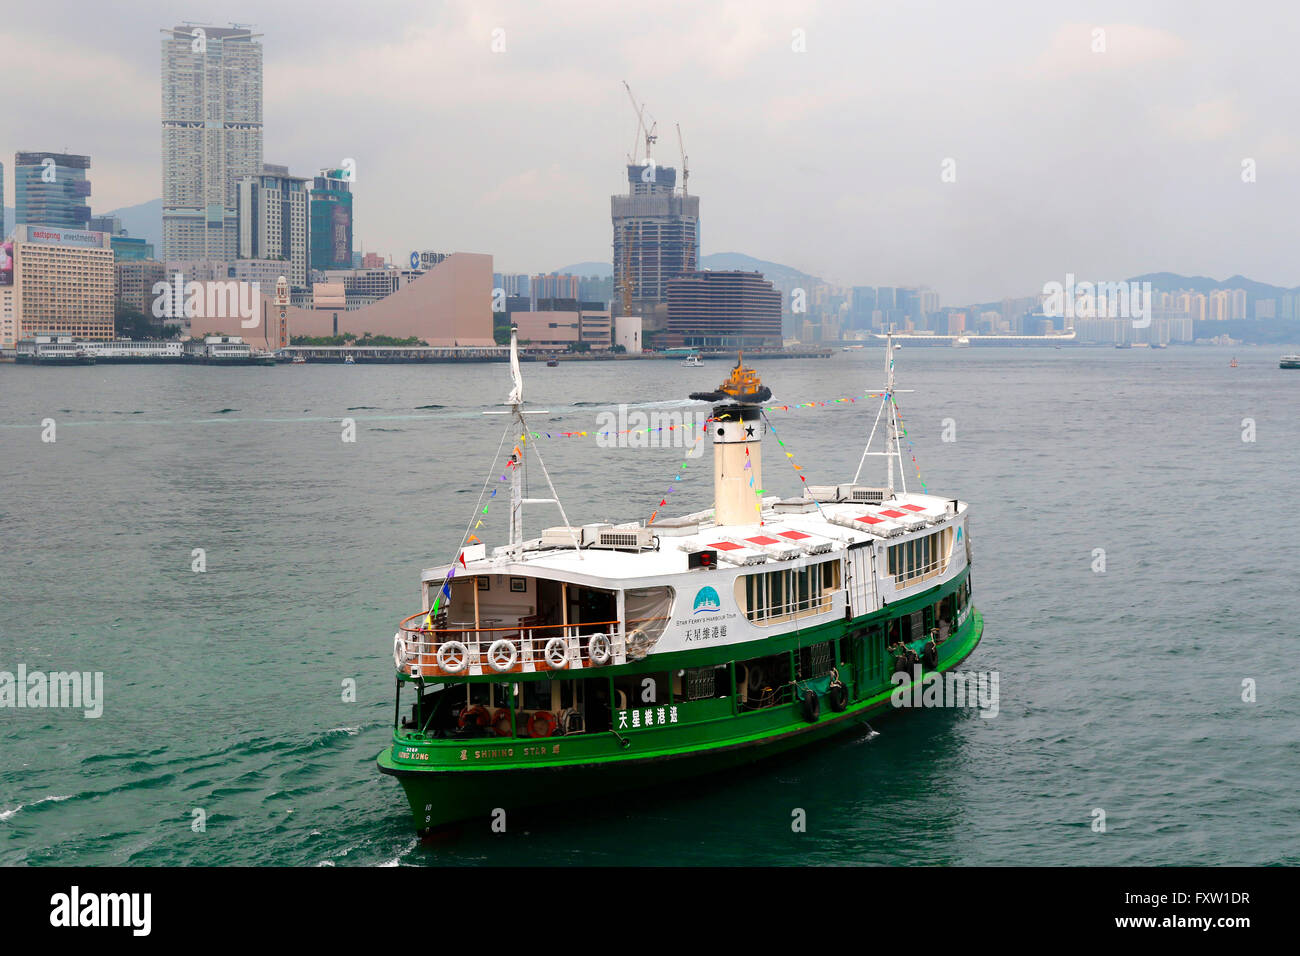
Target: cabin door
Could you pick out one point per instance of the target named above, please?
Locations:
(859, 568)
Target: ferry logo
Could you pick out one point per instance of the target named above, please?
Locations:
(707, 601)
(958, 541)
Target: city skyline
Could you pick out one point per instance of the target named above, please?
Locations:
(1141, 171)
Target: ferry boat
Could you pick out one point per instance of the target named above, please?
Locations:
(598, 658)
(1289, 361)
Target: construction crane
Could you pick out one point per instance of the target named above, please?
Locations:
(686, 171)
(651, 132)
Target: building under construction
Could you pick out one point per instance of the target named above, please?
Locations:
(656, 239)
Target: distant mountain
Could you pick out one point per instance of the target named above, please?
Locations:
(587, 269)
(141, 221)
(783, 277)
(1171, 281)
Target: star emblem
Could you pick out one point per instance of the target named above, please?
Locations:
(749, 430)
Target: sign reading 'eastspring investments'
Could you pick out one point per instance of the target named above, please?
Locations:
(63, 237)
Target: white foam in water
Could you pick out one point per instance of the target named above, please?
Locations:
(397, 860)
(6, 814)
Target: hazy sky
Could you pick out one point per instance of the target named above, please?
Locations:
(1104, 164)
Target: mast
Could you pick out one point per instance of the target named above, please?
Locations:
(889, 396)
(518, 488)
(516, 402)
(893, 449)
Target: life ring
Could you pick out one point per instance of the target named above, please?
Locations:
(399, 650)
(502, 655)
(930, 656)
(598, 649)
(478, 714)
(903, 663)
(754, 679)
(557, 653)
(812, 707)
(838, 697)
(453, 657)
(540, 718)
(501, 722)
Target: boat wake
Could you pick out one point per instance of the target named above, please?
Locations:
(5, 815)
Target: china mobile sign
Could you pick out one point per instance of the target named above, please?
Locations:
(215, 299)
(1098, 300)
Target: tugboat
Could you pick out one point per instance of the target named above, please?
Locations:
(598, 658)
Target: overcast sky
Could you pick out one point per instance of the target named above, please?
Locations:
(1104, 164)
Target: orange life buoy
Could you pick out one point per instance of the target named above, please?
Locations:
(540, 718)
(478, 714)
(501, 722)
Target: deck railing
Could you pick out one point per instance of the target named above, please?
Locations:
(463, 649)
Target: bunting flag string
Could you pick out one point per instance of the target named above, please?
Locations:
(789, 455)
(663, 500)
(828, 403)
(903, 428)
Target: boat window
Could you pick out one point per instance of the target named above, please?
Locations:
(816, 660)
(537, 694)
(764, 681)
(702, 683)
(920, 558)
(770, 596)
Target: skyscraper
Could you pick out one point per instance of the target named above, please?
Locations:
(273, 221)
(211, 136)
(656, 239)
(51, 190)
(331, 220)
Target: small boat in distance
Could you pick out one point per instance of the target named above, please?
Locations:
(1289, 361)
(1233, 363)
(349, 360)
(298, 360)
(693, 361)
(552, 363)
(960, 342)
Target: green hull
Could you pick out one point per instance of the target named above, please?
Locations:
(598, 764)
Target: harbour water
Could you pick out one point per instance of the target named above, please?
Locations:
(224, 690)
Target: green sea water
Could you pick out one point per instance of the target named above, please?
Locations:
(224, 691)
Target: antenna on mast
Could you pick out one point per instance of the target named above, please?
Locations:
(893, 449)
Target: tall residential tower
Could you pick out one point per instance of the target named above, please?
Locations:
(211, 136)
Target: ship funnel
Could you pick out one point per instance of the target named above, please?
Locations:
(737, 431)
